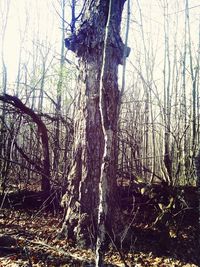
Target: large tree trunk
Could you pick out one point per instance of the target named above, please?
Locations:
(197, 165)
(82, 198)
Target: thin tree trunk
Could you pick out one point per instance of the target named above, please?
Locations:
(108, 135)
(56, 153)
(3, 164)
(167, 99)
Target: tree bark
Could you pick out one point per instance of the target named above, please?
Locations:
(197, 165)
(82, 198)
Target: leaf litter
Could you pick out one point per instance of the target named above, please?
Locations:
(38, 245)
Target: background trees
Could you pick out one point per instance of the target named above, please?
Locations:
(39, 75)
(159, 117)
(162, 96)
(158, 133)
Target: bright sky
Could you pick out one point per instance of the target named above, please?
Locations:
(29, 22)
(37, 21)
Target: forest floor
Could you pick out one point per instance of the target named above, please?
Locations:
(35, 233)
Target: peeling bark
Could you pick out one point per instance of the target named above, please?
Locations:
(82, 198)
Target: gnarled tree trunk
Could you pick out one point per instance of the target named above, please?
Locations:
(92, 127)
(197, 165)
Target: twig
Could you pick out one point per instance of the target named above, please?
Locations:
(128, 227)
(118, 250)
(3, 200)
(28, 256)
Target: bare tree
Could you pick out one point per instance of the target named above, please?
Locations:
(4, 165)
(93, 170)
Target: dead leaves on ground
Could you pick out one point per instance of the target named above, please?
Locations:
(36, 238)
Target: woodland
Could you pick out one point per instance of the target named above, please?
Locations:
(99, 133)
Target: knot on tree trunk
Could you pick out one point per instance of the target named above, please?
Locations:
(90, 39)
